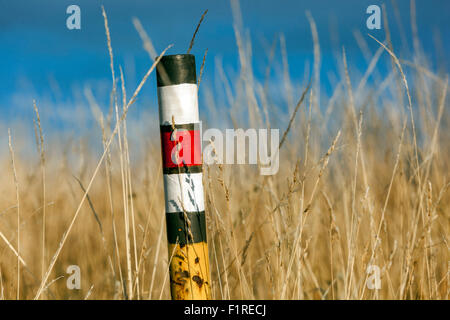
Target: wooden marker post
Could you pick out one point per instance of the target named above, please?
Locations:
(182, 171)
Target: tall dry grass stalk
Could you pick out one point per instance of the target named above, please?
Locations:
(40, 146)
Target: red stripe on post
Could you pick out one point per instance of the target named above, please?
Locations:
(181, 148)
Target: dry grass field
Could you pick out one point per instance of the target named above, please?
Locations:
(363, 181)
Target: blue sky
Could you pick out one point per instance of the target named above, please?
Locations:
(40, 58)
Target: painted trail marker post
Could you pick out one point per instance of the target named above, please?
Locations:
(182, 172)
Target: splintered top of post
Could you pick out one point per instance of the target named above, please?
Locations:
(176, 69)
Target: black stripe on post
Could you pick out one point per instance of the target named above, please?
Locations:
(176, 69)
(177, 227)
